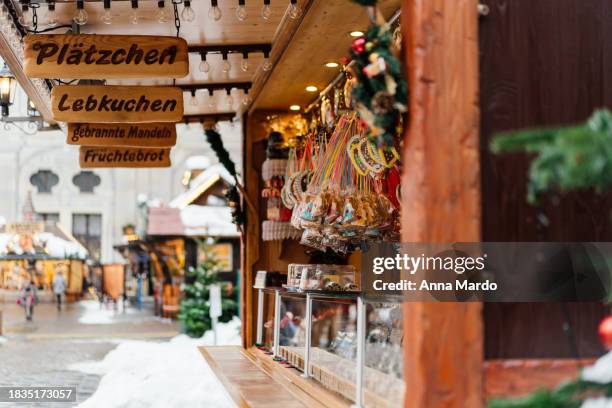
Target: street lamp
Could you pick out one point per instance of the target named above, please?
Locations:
(7, 90)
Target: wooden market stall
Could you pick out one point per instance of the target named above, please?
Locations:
(473, 68)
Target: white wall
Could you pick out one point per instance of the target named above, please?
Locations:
(22, 155)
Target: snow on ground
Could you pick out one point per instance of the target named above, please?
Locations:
(169, 374)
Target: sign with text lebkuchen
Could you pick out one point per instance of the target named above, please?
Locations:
(116, 104)
(120, 134)
(90, 56)
(96, 157)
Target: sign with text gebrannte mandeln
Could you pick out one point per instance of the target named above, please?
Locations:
(122, 134)
(96, 157)
(90, 56)
(116, 104)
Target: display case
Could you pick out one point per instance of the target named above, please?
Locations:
(348, 342)
(304, 277)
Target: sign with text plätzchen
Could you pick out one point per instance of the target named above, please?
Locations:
(90, 56)
(97, 157)
(122, 134)
(116, 104)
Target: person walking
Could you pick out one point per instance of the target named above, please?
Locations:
(28, 299)
(59, 287)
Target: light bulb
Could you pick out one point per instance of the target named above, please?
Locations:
(162, 15)
(205, 67)
(226, 66)
(214, 13)
(188, 14)
(80, 17)
(107, 16)
(134, 17)
(246, 100)
(26, 17)
(51, 18)
(267, 65)
(244, 65)
(266, 12)
(241, 13)
(294, 11)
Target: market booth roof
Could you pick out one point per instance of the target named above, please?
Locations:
(300, 48)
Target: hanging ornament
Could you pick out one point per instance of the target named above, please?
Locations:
(359, 45)
(605, 332)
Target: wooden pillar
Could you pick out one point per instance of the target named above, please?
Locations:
(441, 194)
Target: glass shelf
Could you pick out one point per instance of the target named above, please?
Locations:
(348, 341)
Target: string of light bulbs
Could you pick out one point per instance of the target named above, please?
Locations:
(162, 15)
(226, 50)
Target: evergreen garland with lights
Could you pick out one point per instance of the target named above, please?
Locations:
(381, 91)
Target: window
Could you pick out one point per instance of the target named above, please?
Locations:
(87, 229)
(44, 180)
(86, 181)
(51, 217)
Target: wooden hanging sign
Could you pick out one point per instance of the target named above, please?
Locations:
(116, 104)
(130, 135)
(90, 56)
(97, 157)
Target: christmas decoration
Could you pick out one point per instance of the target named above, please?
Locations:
(592, 389)
(380, 93)
(566, 158)
(605, 332)
(195, 306)
(233, 194)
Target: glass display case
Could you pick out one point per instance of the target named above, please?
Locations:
(350, 343)
(265, 319)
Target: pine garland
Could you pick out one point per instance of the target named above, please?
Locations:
(566, 158)
(569, 395)
(233, 195)
(214, 140)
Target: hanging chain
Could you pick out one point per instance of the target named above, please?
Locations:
(177, 24)
(177, 19)
(34, 6)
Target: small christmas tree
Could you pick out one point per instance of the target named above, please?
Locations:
(195, 305)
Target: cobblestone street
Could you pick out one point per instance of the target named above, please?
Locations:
(39, 353)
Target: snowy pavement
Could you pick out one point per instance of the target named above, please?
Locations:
(116, 358)
(169, 374)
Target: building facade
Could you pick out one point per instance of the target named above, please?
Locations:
(92, 204)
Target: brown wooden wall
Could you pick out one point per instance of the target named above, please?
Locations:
(544, 62)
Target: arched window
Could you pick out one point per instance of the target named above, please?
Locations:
(44, 180)
(86, 181)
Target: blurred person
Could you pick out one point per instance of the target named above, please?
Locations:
(28, 299)
(59, 287)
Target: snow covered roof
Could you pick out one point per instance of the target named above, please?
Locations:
(206, 220)
(55, 240)
(200, 184)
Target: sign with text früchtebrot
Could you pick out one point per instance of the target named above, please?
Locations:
(90, 56)
(116, 104)
(96, 157)
(120, 134)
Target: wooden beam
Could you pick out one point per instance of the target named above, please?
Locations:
(441, 195)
